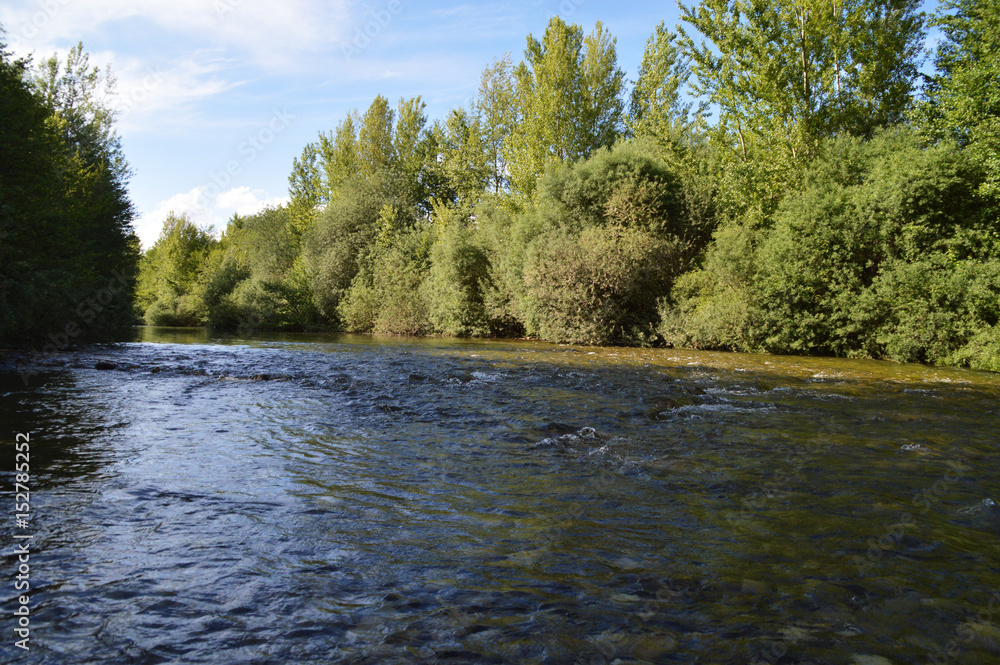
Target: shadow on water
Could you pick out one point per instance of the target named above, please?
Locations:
(318, 498)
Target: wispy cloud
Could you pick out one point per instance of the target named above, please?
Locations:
(166, 96)
(267, 32)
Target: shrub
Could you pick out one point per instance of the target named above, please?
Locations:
(344, 231)
(712, 307)
(933, 308)
(596, 288)
(867, 209)
(385, 296)
(458, 281)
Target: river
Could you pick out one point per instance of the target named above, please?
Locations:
(324, 499)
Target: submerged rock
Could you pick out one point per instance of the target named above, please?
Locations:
(105, 365)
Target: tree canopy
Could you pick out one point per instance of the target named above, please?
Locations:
(773, 179)
(67, 249)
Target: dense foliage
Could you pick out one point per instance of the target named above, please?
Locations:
(67, 250)
(829, 208)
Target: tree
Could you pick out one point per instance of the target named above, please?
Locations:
(341, 238)
(656, 106)
(963, 99)
(169, 271)
(785, 74)
(376, 150)
(305, 186)
(496, 114)
(82, 96)
(415, 153)
(568, 93)
(463, 158)
(340, 154)
(67, 249)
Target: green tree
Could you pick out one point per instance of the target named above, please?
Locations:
(340, 154)
(333, 251)
(568, 92)
(963, 99)
(376, 147)
(876, 256)
(463, 158)
(255, 275)
(602, 241)
(656, 107)
(415, 168)
(67, 249)
(496, 115)
(459, 277)
(786, 74)
(305, 186)
(168, 274)
(82, 96)
(386, 297)
(598, 287)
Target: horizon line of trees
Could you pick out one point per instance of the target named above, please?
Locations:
(832, 206)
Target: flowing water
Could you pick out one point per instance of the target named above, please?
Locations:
(311, 499)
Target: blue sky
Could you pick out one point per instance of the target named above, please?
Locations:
(219, 96)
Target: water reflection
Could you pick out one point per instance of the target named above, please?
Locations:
(309, 498)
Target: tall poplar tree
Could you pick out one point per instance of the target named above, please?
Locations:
(496, 114)
(376, 151)
(340, 153)
(656, 104)
(568, 94)
(786, 73)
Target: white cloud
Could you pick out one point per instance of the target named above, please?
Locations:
(194, 204)
(166, 95)
(203, 210)
(271, 32)
(244, 201)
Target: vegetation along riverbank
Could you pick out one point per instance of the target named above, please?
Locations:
(775, 179)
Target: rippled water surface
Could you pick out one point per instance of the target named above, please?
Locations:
(297, 499)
